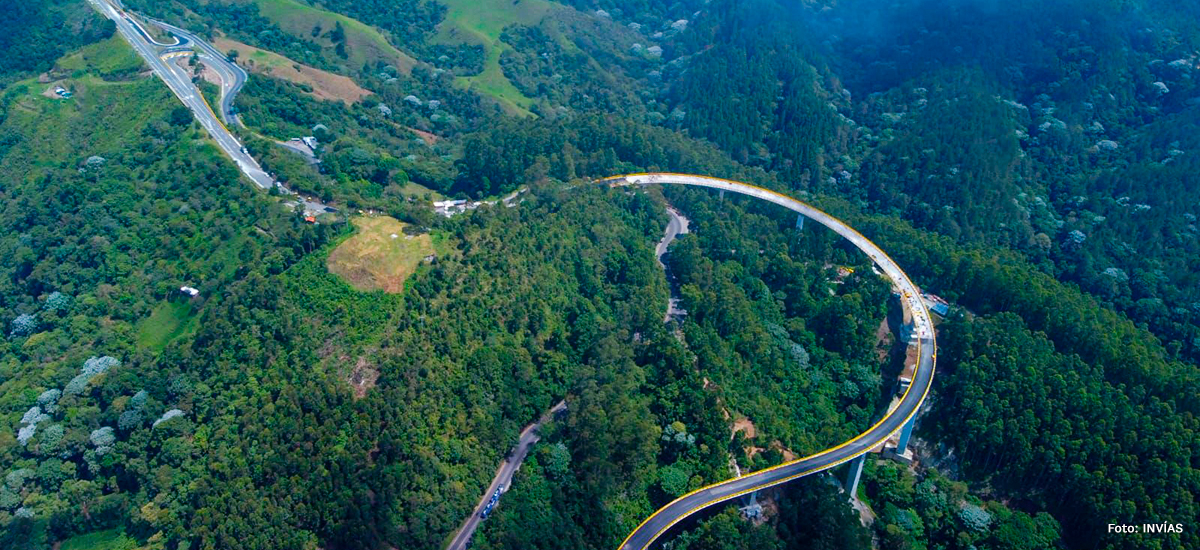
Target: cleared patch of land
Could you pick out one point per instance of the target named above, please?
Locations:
(414, 189)
(167, 321)
(364, 44)
(489, 17)
(380, 255)
(746, 426)
(100, 115)
(324, 84)
(111, 539)
(49, 91)
(109, 58)
(362, 377)
(481, 22)
(428, 137)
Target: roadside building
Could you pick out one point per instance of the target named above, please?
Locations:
(450, 208)
(937, 304)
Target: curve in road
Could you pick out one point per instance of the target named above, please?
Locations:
(181, 85)
(146, 35)
(233, 76)
(658, 523)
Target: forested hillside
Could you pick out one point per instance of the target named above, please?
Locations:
(1072, 147)
(110, 204)
(1033, 163)
(37, 32)
(745, 348)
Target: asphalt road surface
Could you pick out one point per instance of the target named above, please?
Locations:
(676, 226)
(503, 478)
(662, 520)
(181, 85)
(233, 77)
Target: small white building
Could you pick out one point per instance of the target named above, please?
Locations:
(191, 292)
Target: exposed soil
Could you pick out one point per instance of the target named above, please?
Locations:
(49, 91)
(362, 377)
(746, 426)
(208, 74)
(883, 340)
(428, 137)
(324, 84)
(380, 256)
(787, 454)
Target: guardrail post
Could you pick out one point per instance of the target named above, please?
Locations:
(852, 477)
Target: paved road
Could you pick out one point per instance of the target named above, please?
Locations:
(181, 85)
(179, 42)
(876, 435)
(504, 476)
(301, 150)
(676, 226)
(233, 77)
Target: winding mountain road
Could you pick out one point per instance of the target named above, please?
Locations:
(653, 527)
(233, 77)
(662, 520)
(677, 225)
(503, 478)
(157, 55)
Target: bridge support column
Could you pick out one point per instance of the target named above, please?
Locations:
(905, 434)
(752, 509)
(852, 477)
(721, 193)
(799, 221)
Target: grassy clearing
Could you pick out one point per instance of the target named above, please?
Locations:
(413, 189)
(489, 17)
(101, 117)
(110, 57)
(492, 82)
(379, 256)
(481, 22)
(168, 321)
(111, 539)
(324, 84)
(363, 42)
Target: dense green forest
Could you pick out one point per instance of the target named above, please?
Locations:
(744, 348)
(110, 204)
(1043, 146)
(38, 32)
(1033, 163)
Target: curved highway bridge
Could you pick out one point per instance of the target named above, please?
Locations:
(875, 436)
